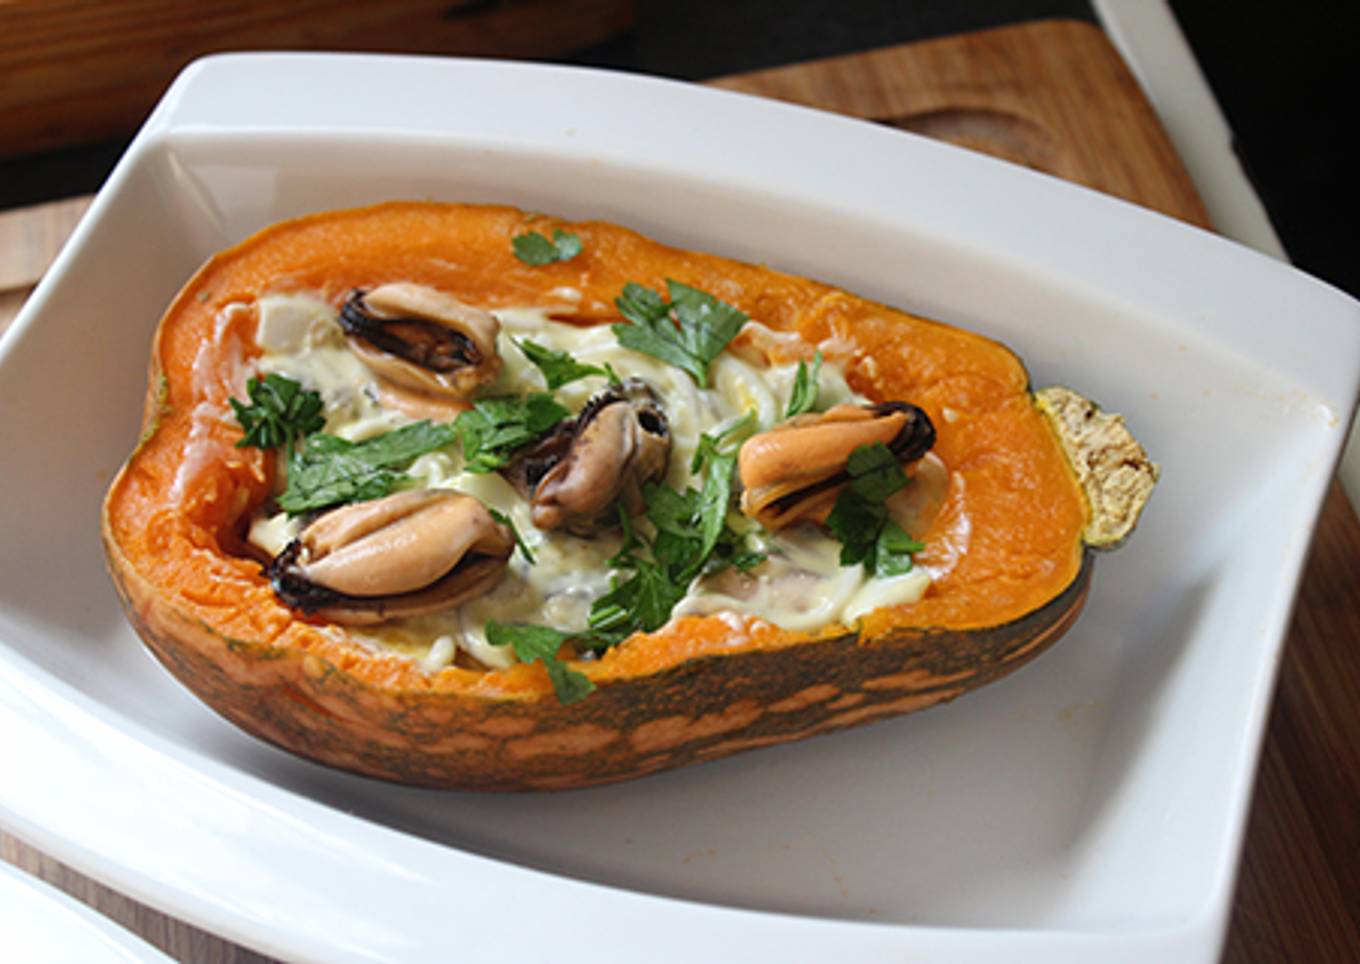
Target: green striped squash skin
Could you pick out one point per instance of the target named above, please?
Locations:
(703, 709)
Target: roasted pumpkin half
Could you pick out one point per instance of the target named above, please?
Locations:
(462, 496)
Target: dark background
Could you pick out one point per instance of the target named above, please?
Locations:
(1287, 76)
(1284, 73)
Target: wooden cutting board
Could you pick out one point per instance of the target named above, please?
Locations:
(76, 71)
(1056, 97)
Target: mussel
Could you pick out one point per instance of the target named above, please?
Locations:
(412, 552)
(420, 340)
(574, 476)
(796, 470)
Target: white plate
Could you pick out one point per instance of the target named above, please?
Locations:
(1091, 806)
(40, 923)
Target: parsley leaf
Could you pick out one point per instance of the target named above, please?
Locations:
(509, 523)
(860, 519)
(688, 332)
(641, 304)
(329, 470)
(494, 427)
(280, 412)
(874, 473)
(726, 442)
(541, 643)
(893, 549)
(692, 536)
(856, 522)
(678, 541)
(803, 398)
(558, 367)
(643, 601)
(535, 249)
(710, 514)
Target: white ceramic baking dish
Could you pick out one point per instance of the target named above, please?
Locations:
(1089, 807)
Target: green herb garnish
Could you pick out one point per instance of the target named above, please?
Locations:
(494, 427)
(509, 523)
(558, 367)
(874, 472)
(689, 331)
(860, 518)
(803, 398)
(893, 549)
(692, 536)
(542, 643)
(329, 470)
(536, 249)
(280, 412)
(643, 601)
(726, 442)
(710, 511)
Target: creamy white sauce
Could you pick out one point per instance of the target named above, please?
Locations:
(801, 585)
(272, 533)
(440, 654)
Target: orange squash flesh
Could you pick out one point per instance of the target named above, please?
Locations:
(1008, 542)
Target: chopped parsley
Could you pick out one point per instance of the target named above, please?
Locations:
(643, 601)
(709, 512)
(860, 518)
(495, 427)
(692, 536)
(509, 523)
(558, 367)
(280, 412)
(329, 470)
(536, 249)
(892, 551)
(803, 398)
(726, 442)
(541, 644)
(689, 331)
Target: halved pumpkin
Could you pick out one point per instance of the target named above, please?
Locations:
(1035, 482)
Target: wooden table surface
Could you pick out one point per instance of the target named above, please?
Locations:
(1056, 97)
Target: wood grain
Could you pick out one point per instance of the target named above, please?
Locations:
(82, 70)
(31, 238)
(1298, 895)
(181, 941)
(1055, 97)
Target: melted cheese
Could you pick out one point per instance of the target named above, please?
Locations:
(801, 586)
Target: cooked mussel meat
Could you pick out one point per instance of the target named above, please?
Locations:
(413, 552)
(573, 476)
(422, 340)
(796, 470)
